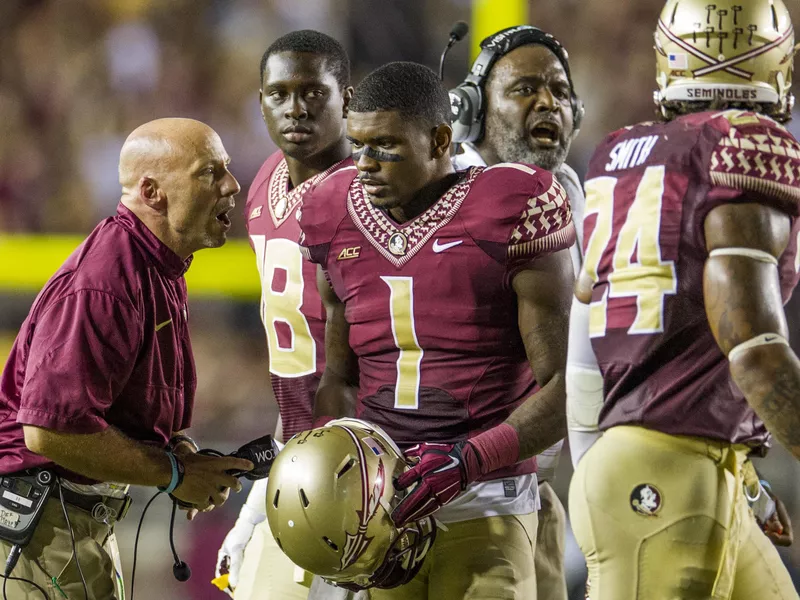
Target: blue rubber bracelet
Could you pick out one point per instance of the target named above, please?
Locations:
(176, 476)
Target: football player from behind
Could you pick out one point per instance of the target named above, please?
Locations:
(453, 289)
(304, 92)
(691, 238)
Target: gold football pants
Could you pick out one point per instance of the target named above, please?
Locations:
(551, 582)
(482, 559)
(662, 517)
(267, 573)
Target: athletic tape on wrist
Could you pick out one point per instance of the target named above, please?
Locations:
(496, 448)
(764, 339)
(758, 255)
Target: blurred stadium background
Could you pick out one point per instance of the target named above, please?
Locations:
(77, 75)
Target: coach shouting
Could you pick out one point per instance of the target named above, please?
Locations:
(101, 378)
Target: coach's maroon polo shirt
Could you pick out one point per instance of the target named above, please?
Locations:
(105, 343)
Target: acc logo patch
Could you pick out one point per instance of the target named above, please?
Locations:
(348, 253)
(256, 212)
(646, 499)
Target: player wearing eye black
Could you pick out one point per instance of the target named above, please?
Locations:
(449, 290)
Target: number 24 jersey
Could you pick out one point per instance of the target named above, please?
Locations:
(649, 189)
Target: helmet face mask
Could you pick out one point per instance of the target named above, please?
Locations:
(329, 500)
(403, 560)
(728, 54)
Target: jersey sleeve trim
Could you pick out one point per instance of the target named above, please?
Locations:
(545, 225)
(558, 240)
(763, 187)
(759, 158)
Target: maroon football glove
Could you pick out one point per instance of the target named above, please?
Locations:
(441, 473)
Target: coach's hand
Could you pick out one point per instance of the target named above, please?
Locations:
(206, 483)
(440, 473)
(181, 450)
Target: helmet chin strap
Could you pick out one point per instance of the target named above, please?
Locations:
(783, 89)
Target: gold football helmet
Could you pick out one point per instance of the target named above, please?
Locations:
(329, 500)
(727, 50)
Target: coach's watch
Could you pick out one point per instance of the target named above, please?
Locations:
(179, 439)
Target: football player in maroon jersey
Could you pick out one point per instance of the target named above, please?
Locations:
(691, 250)
(453, 289)
(304, 92)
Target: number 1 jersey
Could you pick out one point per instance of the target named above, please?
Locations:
(432, 314)
(649, 189)
(291, 309)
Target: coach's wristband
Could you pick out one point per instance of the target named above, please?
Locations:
(177, 473)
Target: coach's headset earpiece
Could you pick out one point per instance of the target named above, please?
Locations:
(468, 102)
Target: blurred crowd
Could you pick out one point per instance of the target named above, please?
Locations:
(76, 76)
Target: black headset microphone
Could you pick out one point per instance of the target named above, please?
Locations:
(260, 452)
(457, 33)
(180, 570)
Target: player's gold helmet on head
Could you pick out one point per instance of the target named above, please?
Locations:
(329, 500)
(725, 50)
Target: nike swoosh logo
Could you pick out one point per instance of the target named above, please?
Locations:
(453, 464)
(161, 326)
(437, 247)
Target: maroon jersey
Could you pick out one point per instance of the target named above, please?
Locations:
(433, 317)
(648, 191)
(291, 308)
(105, 343)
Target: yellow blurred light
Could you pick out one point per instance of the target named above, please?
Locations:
(28, 261)
(490, 16)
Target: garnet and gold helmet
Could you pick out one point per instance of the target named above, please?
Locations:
(329, 501)
(725, 50)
